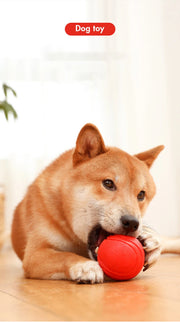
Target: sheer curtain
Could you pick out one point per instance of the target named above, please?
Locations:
(150, 94)
(125, 84)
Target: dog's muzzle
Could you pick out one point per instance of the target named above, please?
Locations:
(128, 226)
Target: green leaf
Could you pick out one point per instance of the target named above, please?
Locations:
(7, 108)
(7, 88)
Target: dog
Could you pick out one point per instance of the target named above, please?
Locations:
(85, 195)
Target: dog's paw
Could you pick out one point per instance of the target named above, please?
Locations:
(152, 246)
(88, 272)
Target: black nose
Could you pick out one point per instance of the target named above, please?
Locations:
(129, 223)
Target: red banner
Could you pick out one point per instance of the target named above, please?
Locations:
(90, 29)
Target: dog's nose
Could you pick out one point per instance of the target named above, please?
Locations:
(129, 223)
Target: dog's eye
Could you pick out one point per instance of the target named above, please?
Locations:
(141, 195)
(109, 184)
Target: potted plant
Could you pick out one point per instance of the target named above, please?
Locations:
(6, 108)
(4, 105)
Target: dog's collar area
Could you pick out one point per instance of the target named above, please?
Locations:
(96, 237)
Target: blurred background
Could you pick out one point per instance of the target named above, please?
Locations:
(127, 84)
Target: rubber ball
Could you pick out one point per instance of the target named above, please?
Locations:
(121, 257)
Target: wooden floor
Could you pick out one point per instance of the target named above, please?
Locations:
(153, 295)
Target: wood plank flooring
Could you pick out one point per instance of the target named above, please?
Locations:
(152, 296)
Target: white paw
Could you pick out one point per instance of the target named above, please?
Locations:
(87, 272)
(152, 246)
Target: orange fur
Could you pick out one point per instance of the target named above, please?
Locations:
(51, 224)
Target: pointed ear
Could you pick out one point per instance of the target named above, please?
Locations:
(89, 144)
(149, 156)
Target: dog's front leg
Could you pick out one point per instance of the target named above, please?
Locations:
(47, 263)
(152, 245)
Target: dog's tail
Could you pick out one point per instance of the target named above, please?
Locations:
(170, 245)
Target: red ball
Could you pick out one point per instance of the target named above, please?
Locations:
(121, 257)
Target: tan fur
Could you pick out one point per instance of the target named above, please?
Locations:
(51, 224)
(170, 245)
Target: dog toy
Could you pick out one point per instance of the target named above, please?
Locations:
(121, 257)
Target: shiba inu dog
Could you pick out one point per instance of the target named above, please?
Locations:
(88, 193)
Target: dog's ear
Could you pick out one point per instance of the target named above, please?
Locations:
(149, 156)
(89, 144)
